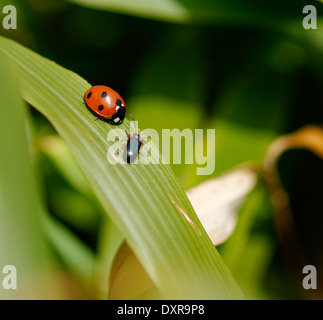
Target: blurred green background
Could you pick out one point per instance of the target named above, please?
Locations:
(247, 69)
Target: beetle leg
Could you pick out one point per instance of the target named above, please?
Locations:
(116, 159)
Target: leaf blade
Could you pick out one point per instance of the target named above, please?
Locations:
(22, 242)
(182, 263)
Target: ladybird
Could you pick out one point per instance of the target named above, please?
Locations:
(105, 103)
(134, 143)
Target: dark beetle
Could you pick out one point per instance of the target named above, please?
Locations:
(133, 146)
(134, 143)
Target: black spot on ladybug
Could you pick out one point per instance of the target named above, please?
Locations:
(104, 94)
(100, 107)
(118, 102)
(89, 95)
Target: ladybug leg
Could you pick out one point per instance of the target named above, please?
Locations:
(97, 118)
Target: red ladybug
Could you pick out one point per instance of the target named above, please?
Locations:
(106, 103)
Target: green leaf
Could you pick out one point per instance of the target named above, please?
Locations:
(167, 10)
(77, 257)
(145, 202)
(128, 278)
(22, 242)
(109, 241)
(205, 11)
(59, 154)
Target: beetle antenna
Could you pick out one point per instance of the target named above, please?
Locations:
(146, 132)
(136, 130)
